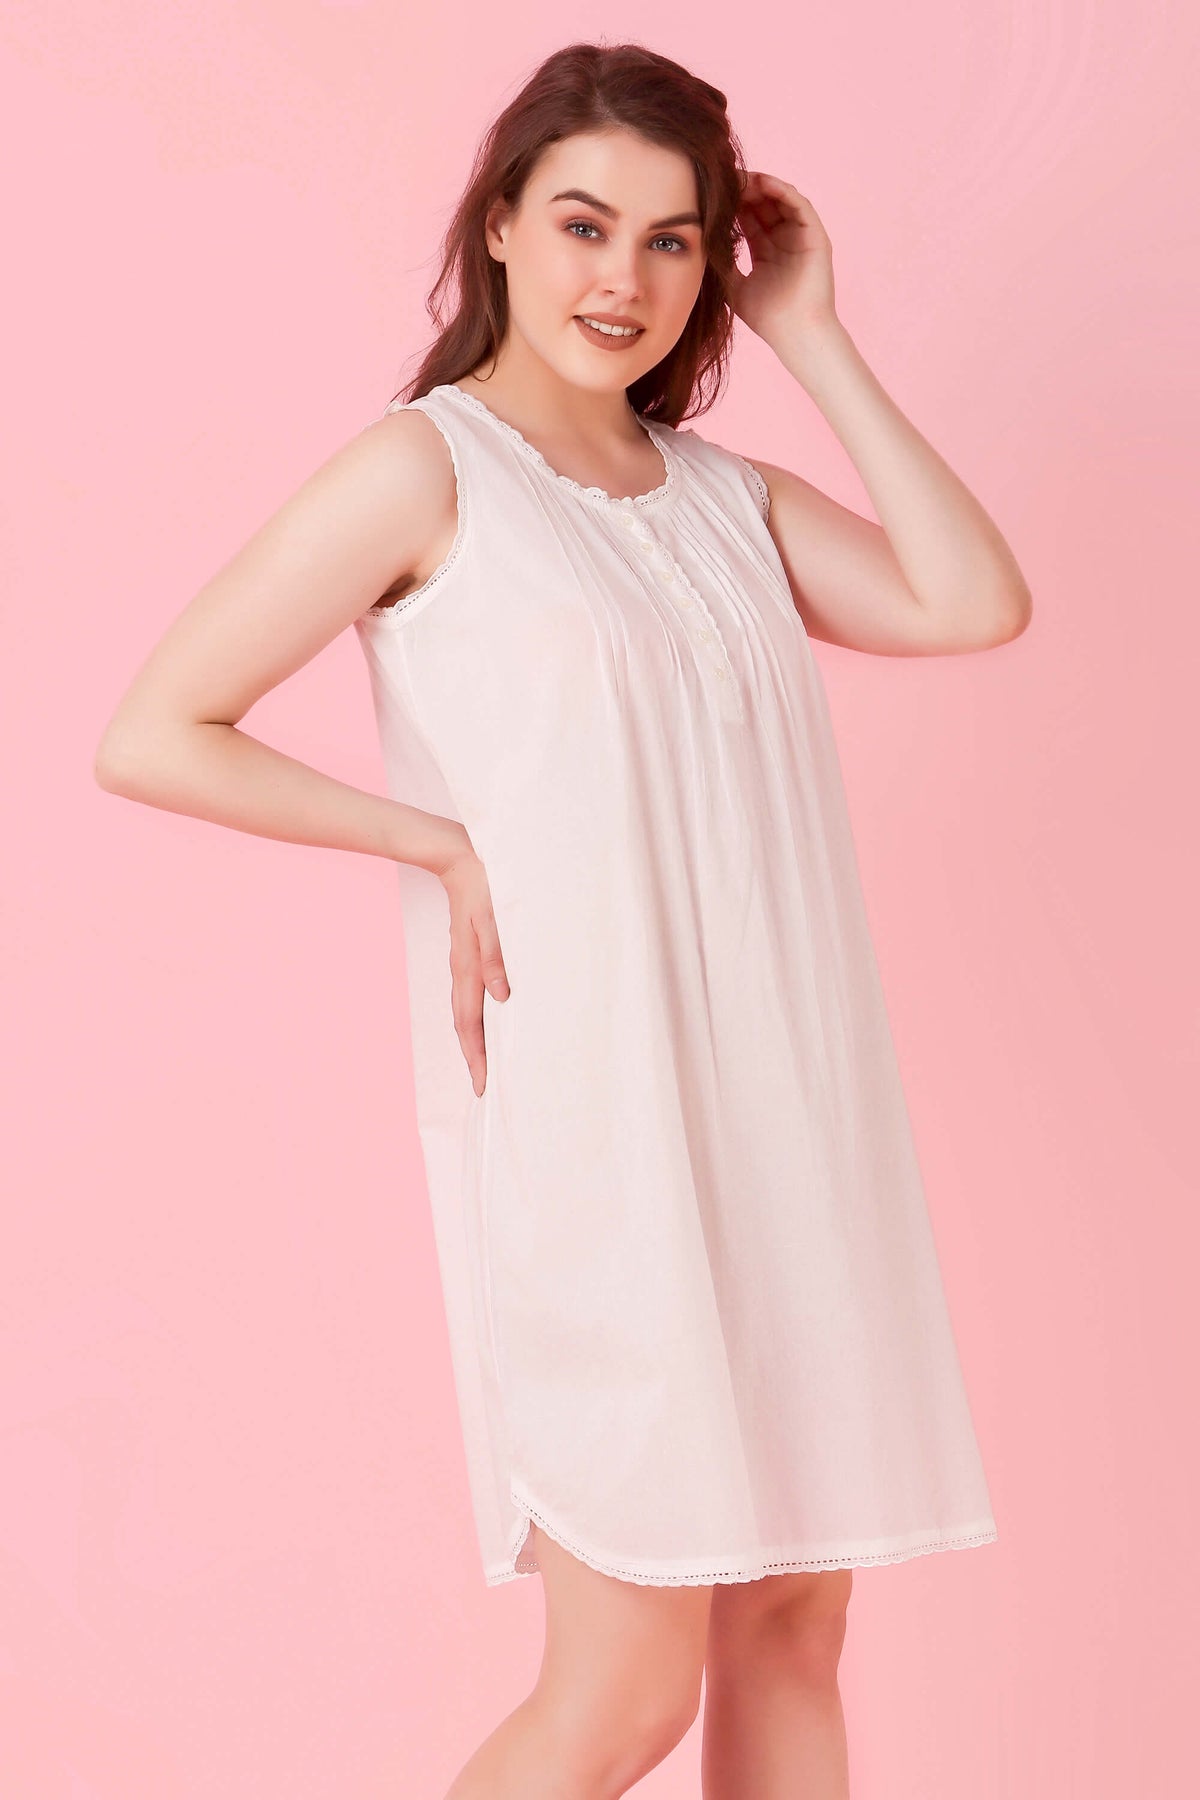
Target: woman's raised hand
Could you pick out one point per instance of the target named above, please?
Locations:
(788, 293)
(475, 958)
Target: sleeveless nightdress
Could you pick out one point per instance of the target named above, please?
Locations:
(695, 1312)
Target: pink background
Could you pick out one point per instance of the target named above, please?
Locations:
(236, 1551)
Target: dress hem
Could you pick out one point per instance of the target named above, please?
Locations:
(863, 1554)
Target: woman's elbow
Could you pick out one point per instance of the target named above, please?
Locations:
(109, 766)
(1014, 615)
(121, 759)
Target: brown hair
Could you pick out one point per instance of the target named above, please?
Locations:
(593, 87)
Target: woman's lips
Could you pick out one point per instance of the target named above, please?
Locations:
(605, 340)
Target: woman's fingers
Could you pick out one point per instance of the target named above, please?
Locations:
(490, 960)
(466, 998)
(770, 199)
(475, 960)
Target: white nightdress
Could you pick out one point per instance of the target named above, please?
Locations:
(695, 1311)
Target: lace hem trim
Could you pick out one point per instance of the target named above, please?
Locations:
(596, 495)
(984, 1533)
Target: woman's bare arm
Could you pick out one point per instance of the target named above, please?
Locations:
(375, 513)
(934, 577)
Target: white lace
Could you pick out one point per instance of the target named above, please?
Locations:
(596, 495)
(986, 1534)
(760, 486)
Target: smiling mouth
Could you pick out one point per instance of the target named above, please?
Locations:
(617, 331)
(610, 338)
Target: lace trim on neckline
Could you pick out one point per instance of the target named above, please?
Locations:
(596, 495)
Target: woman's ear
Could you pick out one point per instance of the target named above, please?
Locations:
(495, 229)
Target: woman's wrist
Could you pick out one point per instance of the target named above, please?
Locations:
(427, 840)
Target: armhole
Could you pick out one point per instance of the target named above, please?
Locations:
(402, 610)
(758, 486)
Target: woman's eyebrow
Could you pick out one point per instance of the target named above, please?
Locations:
(610, 212)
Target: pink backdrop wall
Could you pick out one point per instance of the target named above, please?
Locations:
(236, 1553)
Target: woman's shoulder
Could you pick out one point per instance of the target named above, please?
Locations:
(413, 458)
(727, 466)
(410, 462)
(408, 447)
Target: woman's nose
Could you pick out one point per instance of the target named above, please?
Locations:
(622, 274)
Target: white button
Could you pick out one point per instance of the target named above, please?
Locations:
(705, 636)
(666, 574)
(646, 546)
(683, 598)
(628, 519)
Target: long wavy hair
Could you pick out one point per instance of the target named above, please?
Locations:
(593, 87)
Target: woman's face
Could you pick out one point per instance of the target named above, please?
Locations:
(608, 228)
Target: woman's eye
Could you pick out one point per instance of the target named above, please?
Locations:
(589, 226)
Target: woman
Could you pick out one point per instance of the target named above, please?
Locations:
(701, 1348)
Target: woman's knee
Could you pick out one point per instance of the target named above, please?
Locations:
(623, 1664)
(651, 1730)
(796, 1620)
(613, 1724)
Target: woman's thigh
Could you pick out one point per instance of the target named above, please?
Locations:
(620, 1655)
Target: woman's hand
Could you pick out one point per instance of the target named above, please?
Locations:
(789, 289)
(475, 959)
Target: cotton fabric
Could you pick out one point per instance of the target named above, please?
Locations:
(695, 1311)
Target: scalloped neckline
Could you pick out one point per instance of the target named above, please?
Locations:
(597, 495)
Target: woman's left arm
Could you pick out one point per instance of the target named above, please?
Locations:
(935, 576)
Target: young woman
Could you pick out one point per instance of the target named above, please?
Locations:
(701, 1348)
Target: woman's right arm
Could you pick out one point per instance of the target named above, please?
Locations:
(370, 517)
(364, 519)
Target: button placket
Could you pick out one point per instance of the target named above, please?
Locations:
(701, 626)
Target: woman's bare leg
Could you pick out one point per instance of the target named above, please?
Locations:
(773, 1721)
(618, 1687)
